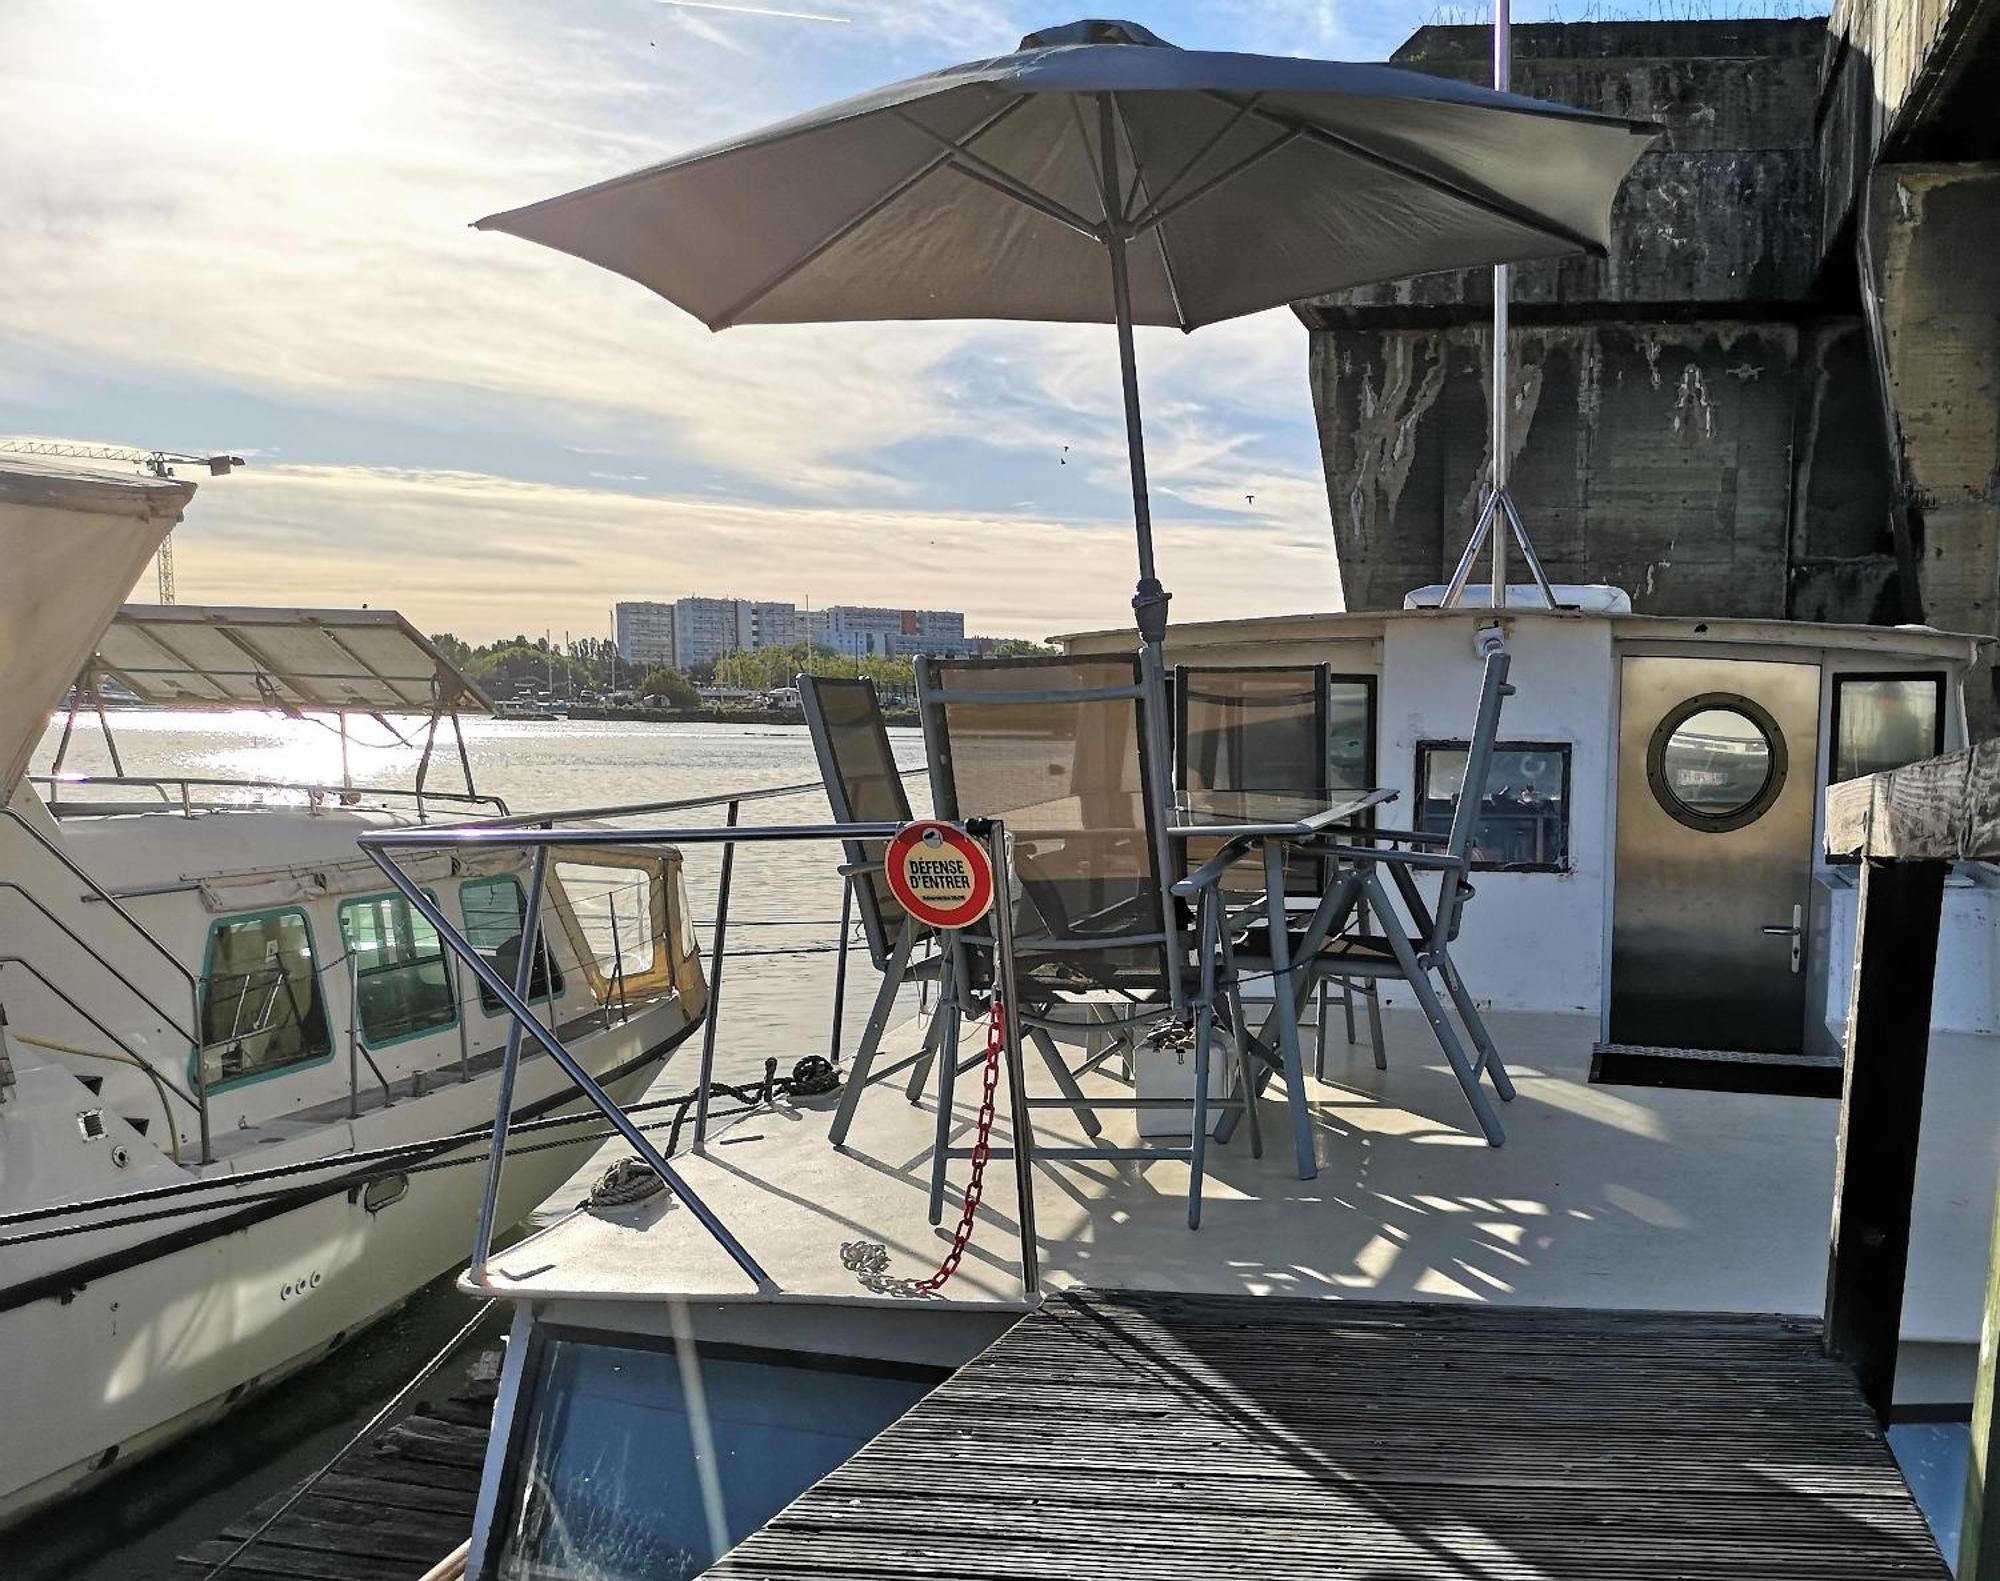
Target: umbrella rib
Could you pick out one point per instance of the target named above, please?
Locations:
(967, 163)
(1159, 236)
(1485, 202)
(1197, 157)
(1159, 213)
(854, 222)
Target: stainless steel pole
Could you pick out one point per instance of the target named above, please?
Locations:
(510, 1064)
(1017, 1090)
(714, 986)
(1501, 286)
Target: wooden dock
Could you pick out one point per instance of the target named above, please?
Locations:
(1139, 1437)
(391, 1511)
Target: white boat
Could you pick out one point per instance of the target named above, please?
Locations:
(1662, 957)
(242, 1090)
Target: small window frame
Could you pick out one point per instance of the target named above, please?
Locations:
(1767, 794)
(1839, 679)
(209, 1089)
(372, 1044)
(1560, 749)
(556, 984)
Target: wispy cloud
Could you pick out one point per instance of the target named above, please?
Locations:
(482, 555)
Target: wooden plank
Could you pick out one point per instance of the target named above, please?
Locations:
(1881, 1116)
(1194, 1438)
(1944, 809)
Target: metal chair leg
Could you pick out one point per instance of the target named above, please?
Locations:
(1319, 1037)
(1286, 1001)
(947, 1069)
(1373, 993)
(1419, 980)
(1468, 1012)
(1347, 1005)
(871, 1036)
(1066, 1083)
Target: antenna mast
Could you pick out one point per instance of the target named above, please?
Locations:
(1499, 507)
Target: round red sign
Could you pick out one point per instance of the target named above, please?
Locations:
(939, 875)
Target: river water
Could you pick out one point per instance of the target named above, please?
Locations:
(784, 918)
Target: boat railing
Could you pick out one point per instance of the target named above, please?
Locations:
(189, 794)
(199, 1097)
(543, 837)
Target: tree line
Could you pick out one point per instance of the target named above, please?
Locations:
(514, 664)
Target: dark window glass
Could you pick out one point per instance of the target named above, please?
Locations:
(1524, 817)
(1884, 722)
(402, 986)
(1350, 735)
(493, 910)
(260, 1002)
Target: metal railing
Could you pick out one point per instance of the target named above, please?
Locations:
(383, 846)
(146, 936)
(176, 792)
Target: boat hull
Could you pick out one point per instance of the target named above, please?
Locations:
(102, 1375)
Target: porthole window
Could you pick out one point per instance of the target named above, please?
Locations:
(1717, 762)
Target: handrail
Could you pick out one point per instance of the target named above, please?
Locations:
(133, 1054)
(344, 795)
(381, 847)
(69, 863)
(633, 809)
(91, 950)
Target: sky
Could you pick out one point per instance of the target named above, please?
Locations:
(243, 225)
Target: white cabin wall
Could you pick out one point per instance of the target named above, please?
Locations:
(1530, 941)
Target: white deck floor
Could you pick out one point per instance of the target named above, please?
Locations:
(1602, 1197)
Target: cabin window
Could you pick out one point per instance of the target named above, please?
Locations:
(1716, 762)
(1350, 719)
(261, 1009)
(493, 909)
(1882, 722)
(614, 906)
(1523, 822)
(402, 986)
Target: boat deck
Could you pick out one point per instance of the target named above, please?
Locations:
(1603, 1197)
(1238, 1436)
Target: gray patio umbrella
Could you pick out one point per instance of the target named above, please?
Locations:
(1098, 174)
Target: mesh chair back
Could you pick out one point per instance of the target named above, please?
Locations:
(1057, 748)
(1254, 728)
(851, 741)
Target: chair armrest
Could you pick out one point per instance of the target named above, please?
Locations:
(1210, 872)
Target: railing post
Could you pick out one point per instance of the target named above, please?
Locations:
(840, 971)
(1881, 1113)
(200, 1073)
(715, 984)
(353, 1035)
(510, 1063)
(617, 965)
(1010, 1027)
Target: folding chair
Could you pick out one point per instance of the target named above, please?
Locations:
(863, 785)
(1064, 750)
(1266, 728)
(1410, 953)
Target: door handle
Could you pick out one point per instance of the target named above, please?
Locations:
(1796, 932)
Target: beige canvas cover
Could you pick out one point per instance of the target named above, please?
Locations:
(72, 544)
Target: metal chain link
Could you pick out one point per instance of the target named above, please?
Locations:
(869, 1260)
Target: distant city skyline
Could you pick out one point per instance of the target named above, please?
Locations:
(698, 629)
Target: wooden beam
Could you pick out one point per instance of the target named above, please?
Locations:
(1944, 809)
(1881, 1114)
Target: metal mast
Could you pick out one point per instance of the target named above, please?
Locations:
(160, 463)
(1499, 506)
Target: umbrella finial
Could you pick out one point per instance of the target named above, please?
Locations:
(1093, 30)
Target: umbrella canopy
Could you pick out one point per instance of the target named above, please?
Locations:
(1100, 175)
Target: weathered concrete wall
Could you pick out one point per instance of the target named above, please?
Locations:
(1689, 422)
(1707, 466)
(1934, 233)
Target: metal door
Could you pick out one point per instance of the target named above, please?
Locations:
(1717, 769)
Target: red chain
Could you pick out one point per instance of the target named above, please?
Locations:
(982, 1149)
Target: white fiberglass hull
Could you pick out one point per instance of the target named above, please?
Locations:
(134, 1359)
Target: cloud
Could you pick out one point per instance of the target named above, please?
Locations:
(486, 556)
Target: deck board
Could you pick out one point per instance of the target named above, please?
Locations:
(1143, 1437)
